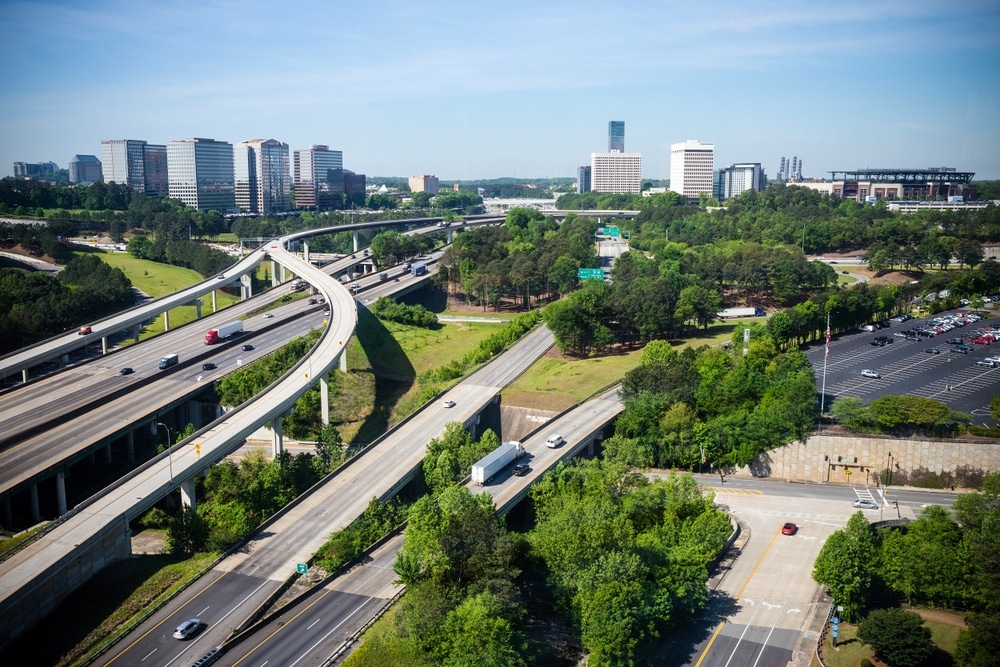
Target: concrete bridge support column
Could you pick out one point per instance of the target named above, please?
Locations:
(324, 397)
(166, 320)
(61, 492)
(187, 494)
(130, 446)
(279, 441)
(274, 273)
(343, 360)
(135, 333)
(305, 252)
(24, 375)
(36, 513)
(246, 287)
(451, 235)
(104, 344)
(197, 308)
(107, 454)
(63, 360)
(284, 274)
(213, 301)
(7, 517)
(357, 243)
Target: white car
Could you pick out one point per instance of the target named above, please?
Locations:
(268, 316)
(866, 504)
(867, 373)
(555, 441)
(187, 629)
(449, 404)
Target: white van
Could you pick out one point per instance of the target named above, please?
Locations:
(555, 441)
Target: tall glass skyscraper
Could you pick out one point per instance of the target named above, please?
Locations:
(260, 171)
(201, 173)
(319, 177)
(124, 162)
(616, 136)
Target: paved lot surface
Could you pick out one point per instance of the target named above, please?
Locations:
(906, 369)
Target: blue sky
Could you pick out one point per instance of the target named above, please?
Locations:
(467, 90)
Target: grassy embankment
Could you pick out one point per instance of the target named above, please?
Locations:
(850, 651)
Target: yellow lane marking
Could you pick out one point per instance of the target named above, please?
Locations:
(736, 599)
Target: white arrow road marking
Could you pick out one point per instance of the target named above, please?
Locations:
(794, 611)
(748, 601)
(771, 606)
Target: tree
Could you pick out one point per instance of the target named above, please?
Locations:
(899, 637)
(478, 635)
(187, 532)
(846, 565)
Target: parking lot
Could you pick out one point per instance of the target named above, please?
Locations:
(905, 368)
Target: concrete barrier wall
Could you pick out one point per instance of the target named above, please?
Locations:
(957, 462)
(29, 605)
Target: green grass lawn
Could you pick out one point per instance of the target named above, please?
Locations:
(158, 280)
(850, 651)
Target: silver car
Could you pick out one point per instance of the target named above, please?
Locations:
(188, 628)
(866, 504)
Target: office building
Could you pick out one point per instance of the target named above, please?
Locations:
(319, 177)
(424, 183)
(33, 169)
(201, 173)
(355, 185)
(85, 169)
(155, 173)
(616, 136)
(261, 177)
(616, 172)
(739, 177)
(691, 165)
(582, 179)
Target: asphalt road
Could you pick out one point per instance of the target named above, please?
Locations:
(766, 610)
(906, 369)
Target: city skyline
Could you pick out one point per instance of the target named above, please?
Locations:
(523, 90)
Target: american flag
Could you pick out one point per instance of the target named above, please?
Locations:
(828, 338)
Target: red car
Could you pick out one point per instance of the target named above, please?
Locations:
(981, 340)
(789, 529)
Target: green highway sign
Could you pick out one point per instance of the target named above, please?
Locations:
(301, 568)
(609, 231)
(587, 274)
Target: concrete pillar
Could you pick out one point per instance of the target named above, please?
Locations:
(357, 243)
(324, 397)
(213, 301)
(284, 274)
(246, 287)
(63, 360)
(130, 446)
(36, 514)
(305, 251)
(197, 308)
(274, 273)
(343, 361)
(166, 320)
(24, 375)
(590, 448)
(187, 494)
(61, 492)
(451, 235)
(104, 344)
(135, 333)
(279, 442)
(7, 517)
(107, 454)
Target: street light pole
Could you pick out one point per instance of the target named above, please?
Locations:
(170, 461)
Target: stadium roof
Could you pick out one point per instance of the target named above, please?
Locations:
(929, 175)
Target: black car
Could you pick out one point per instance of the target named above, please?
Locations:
(247, 347)
(932, 350)
(954, 341)
(521, 469)
(912, 337)
(208, 366)
(126, 371)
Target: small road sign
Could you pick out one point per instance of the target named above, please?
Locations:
(301, 568)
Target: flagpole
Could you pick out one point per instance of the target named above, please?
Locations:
(822, 406)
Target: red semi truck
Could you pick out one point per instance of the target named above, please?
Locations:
(216, 335)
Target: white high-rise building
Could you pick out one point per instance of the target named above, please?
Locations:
(691, 165)
(201, 173)
(737, 178)
(319, 177)
(262, 181)
(616, 172)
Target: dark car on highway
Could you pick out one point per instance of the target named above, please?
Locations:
(932, 350)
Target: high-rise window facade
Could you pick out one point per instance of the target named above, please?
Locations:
(85, 169)
(616, 172)
(616, 136)
(691, 166)
(582, 179)
(260, 172)
(124, 162)
(155, 172)
(319, 177)
(201, 173)
(424, 183)
(737, 178)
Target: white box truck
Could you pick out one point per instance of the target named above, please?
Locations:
(484, 469)
(168, 360)
(228, 329)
